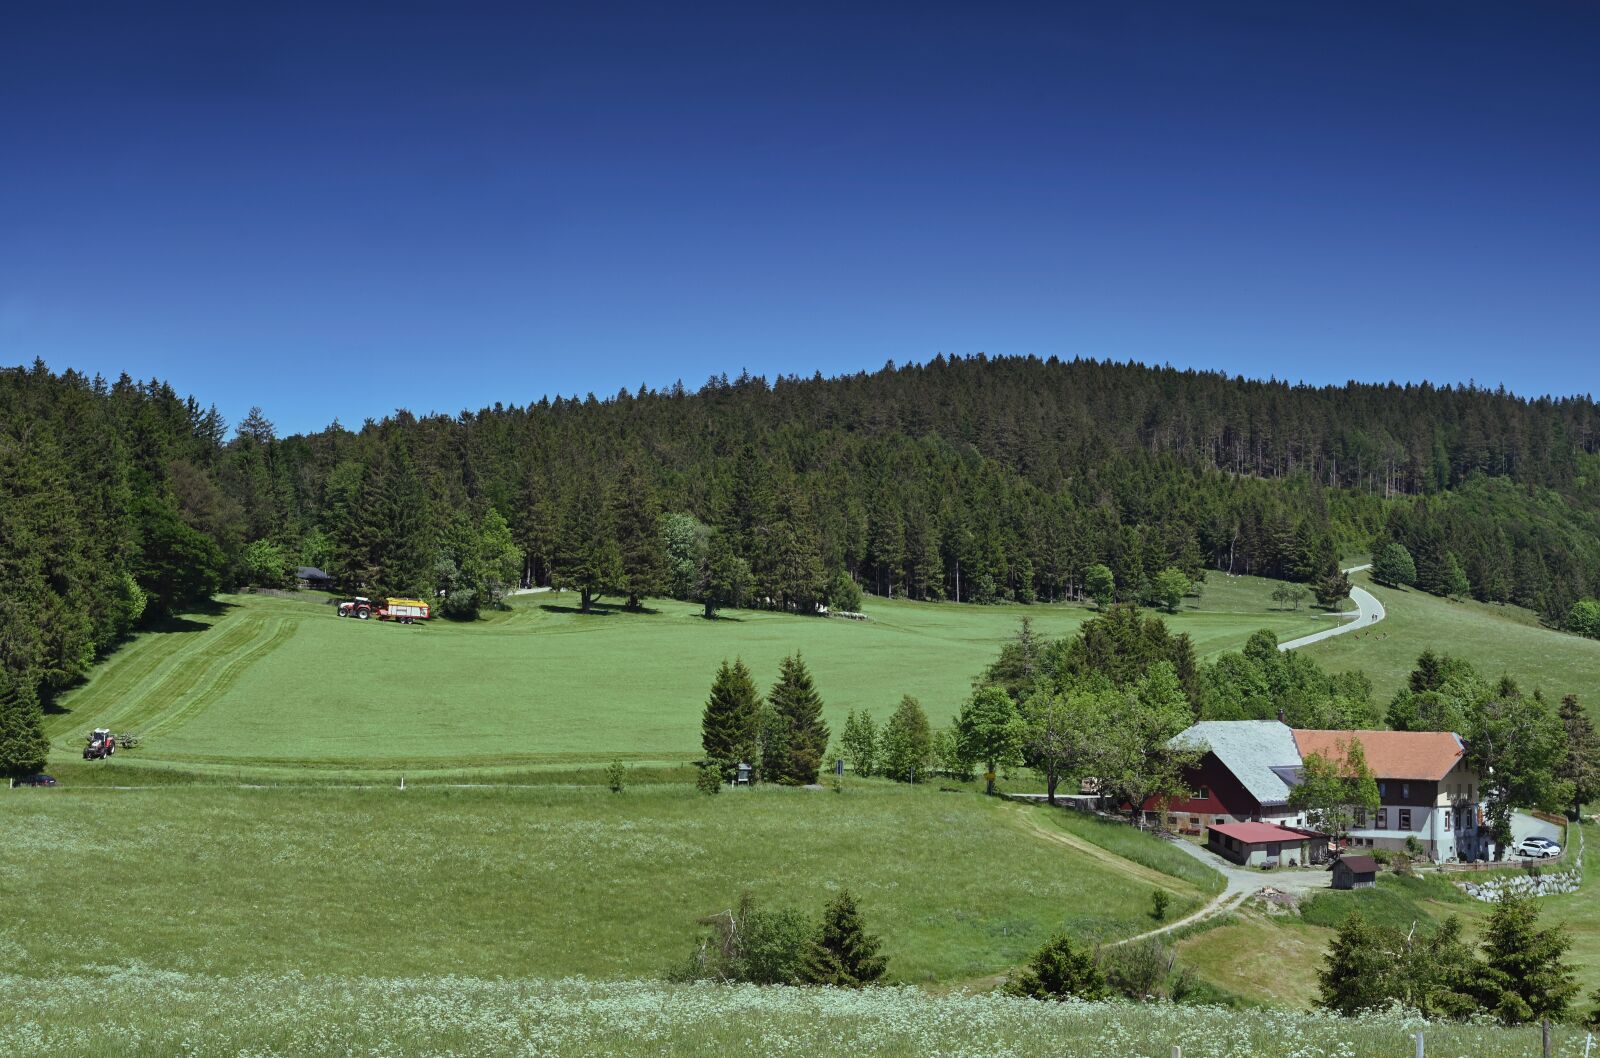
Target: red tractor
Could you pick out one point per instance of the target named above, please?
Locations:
(102, 743)
(403, 611)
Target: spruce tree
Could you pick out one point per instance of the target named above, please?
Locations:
(844, 954)
(1059, 971)
(798, 708)
(23, 748)
(587, 558)
(728, 724)
(1581, 765)
(1525, 974)
(1359, 967)
(636, 515)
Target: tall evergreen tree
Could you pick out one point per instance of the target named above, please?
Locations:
(1525, 972)
(23, 748)
(728, 725)
(636, 516)
(1359, 970)
(1580, 765)
(798, 707)
(587, 559)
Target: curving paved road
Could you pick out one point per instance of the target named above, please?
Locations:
(1369, 611)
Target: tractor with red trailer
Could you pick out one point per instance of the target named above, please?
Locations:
(401, 611)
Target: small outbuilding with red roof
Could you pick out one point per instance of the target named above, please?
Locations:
(1255, 844)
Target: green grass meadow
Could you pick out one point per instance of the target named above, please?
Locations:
(1497, 639)
(270, 680)
(531, 882)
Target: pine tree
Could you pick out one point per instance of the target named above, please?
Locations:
(799, 709)
(723, 577)
(636, 515)
(587, 559)
(23, 748)
(844, 954)
(1525, 974)
(1359, 968)
(728, 726)
(1581, 764)
(1059, 971)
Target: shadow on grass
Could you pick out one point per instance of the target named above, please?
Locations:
(597, 609)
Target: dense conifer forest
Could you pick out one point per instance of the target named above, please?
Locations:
(966, 479)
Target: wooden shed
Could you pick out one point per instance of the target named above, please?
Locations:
(1355, 872)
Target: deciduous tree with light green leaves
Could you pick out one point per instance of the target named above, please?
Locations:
(1137, 761)
(1100, 584)
(907, 743)
(1170, 586)
(1334, 791)
(990, 731)
(860, 743)
(1064, 733)
(1394, 566)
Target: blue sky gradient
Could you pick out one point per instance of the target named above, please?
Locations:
(337, 210)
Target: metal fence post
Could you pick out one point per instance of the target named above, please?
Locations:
(1419, 1041)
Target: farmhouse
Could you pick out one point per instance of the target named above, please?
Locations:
(1425, 790)
(312, 577)
(1261, 844)
(1250, 766)
(1245, 776)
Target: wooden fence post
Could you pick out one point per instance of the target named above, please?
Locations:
(1544, 1036)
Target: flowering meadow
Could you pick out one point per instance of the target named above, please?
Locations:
(134, 1013)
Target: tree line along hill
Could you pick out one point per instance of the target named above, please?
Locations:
(969, 479)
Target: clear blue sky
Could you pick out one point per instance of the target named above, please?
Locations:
(331, 210)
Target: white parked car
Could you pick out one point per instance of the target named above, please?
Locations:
(1537, 848)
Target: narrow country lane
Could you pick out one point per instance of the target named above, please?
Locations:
(1369, 611)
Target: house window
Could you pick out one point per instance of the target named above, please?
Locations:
(1382, 818)
(1361, 817)
(1194, 821)
(1405, 819)
(1221, 820)
(1405, 790)
(1447, 819)
(1205, 793)
(1383, 789)
(1172, 820)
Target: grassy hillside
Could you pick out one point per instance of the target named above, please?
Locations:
(547, 883)
(1229, 956)
(1497, 639)
(139, 1014)
(277, 680)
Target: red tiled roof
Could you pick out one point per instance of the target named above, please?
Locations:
(1420, 755)
(1255, 833)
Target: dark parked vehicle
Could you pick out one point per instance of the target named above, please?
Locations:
(37, 780)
